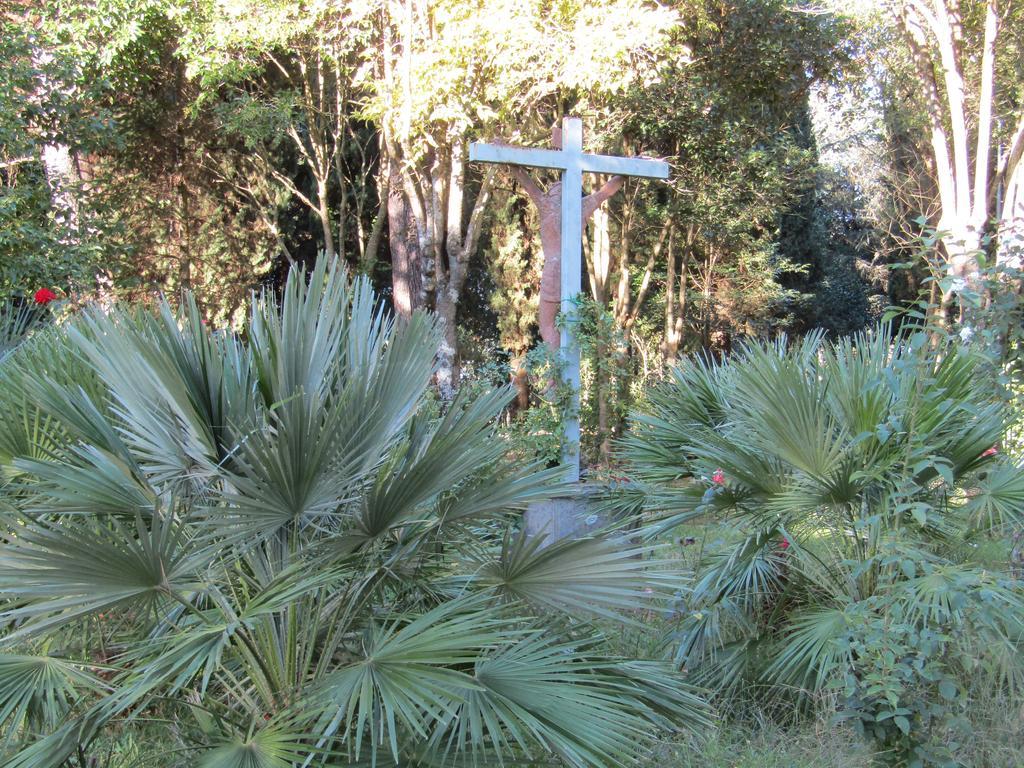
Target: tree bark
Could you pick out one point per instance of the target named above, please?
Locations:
(406, 259)
(966, 204)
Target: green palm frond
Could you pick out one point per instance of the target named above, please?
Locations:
(867, 454)
(789, 402)
(811, 652)
(750, 573)
(426, 466)
(50, 751)
(406, 675)
(18, 319)
(38, 691)
(297, 346)
(217, 371)
(266, 748)
(504, 487)
(303, 465)
(156, 411)
(667, 701)
(27, 428)
(997, 500)
(63, 571)
(601, 576)
(75, 404)
(88, 481)
(318, 447)
(546, 695)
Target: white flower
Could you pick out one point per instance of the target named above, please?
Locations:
(966, 334)
(957, 285)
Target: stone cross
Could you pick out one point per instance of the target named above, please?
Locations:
(572, 161)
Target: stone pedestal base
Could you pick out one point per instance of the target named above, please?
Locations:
(563, 517)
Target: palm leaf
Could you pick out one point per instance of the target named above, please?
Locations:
(38, 691)
(406, 675)
(69, 569)
(812, 651)
(547, 695)
(599, 576)
(268, 747)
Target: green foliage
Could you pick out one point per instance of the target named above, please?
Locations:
(40, 106)
(897, 689)
(986, 315)
(18, 320)
(277, 544)
(513, 263)
(855, 474)
(605, 372)
(538, 433)
(730, 107)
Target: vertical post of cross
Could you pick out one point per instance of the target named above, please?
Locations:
(571, 271)
(572, 163)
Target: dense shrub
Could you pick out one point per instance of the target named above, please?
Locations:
(860, 476)
(270, 550)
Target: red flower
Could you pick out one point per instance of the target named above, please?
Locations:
(991, 451)
(784, 544)
(45, 296)
(718, 478)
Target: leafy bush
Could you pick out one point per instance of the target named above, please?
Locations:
(860, 475)
(268, 548)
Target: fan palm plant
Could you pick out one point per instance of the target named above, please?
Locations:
(277, 551)
(857, 476)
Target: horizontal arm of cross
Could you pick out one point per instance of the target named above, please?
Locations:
(560, 160)
(624, 166)
(537, 158)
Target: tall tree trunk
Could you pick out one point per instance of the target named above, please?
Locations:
(432, 182)
(933, 37)
(185, 238)
(600, 263)
(1009, 199)
(368, 258)
(406, 260)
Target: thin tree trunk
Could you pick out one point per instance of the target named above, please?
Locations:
(521, 382)
(603, 385)
(324, 213)
(675, 298)
(368, 260)
(599, 265)
(448, 369)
